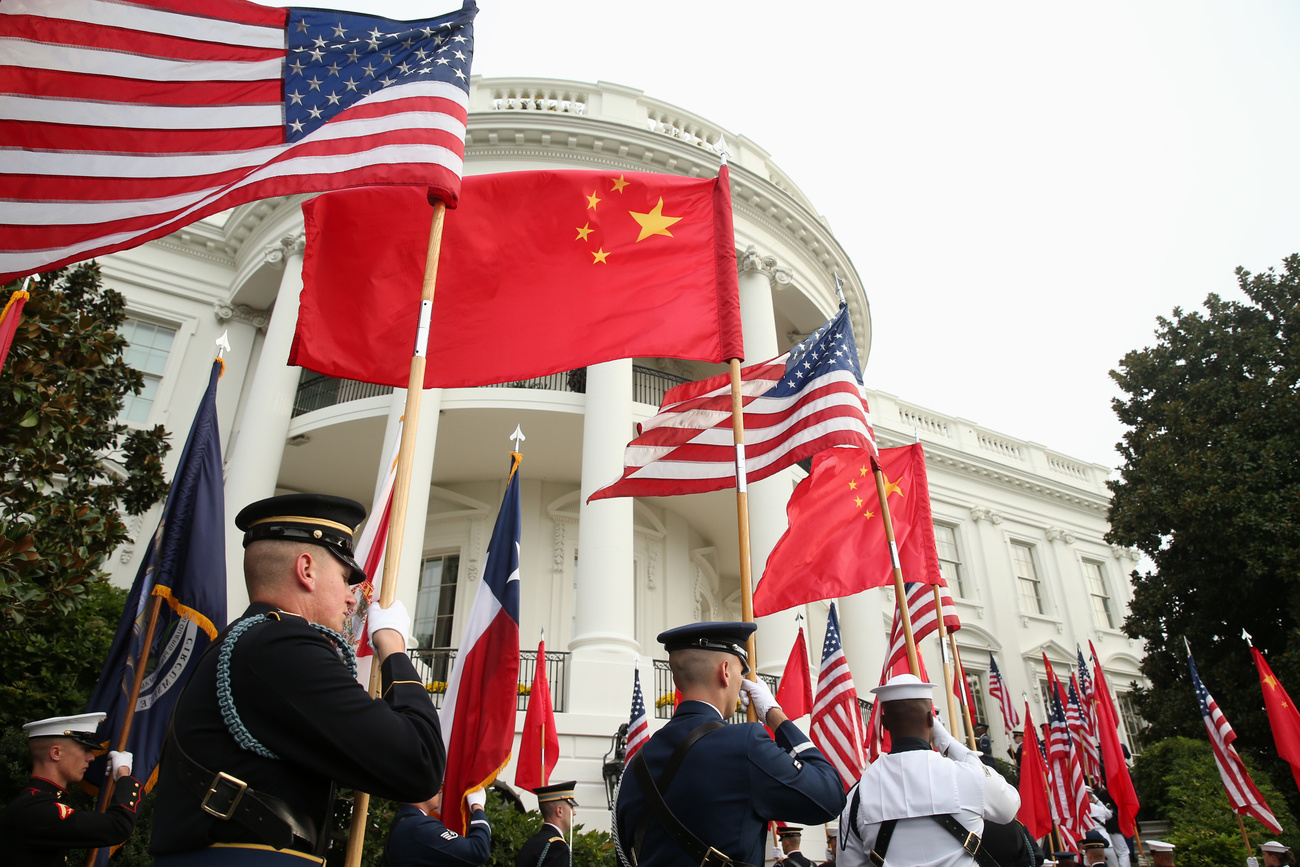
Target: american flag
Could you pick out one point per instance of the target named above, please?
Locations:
(1242, 794)
(1085, 740)
(1068, 797)
(795, 405)
(998, 689)
(836, 719)
(638, 726)
(126, 121)
(920, 605)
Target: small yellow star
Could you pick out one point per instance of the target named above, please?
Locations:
(619, 184)
(601, 256)
(592, 200)
(584, 232)
(853, 486)
(858, 500)
(869, 514)
(654, 222)
(863, 471)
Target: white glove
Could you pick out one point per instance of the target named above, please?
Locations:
(476, 799)
(393, 617)
(120, 761)
(1252, 861)
(940, 736)
(756, 691)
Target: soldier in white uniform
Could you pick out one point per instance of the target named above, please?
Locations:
(916, 807)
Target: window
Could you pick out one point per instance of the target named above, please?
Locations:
(1095, 575)
(1022, 559)
(949, 558)
(1133, 724)
(435, 605)
(147, 351)
(977, 695)
(1045, 694)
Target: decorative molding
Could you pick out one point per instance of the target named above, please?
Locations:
(1121, 553)
(750, 261)
(475, 545)
(279, 252)
(983, 513)
(1056, 534)
(652, 563)
(242, 313)
(560, 542)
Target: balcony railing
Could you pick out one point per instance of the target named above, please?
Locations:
(666, 691)
(320, 392)
(434, 666)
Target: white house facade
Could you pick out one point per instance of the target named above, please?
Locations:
(1020, 527)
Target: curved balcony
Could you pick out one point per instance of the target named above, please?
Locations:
(317, 392)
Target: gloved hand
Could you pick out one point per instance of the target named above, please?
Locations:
(941, 738)
(393, 617)
(1252, 861)
(476, 800)
(120, 762)
(756, 691)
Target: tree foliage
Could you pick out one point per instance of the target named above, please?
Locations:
(69, 469)
(1210, 492)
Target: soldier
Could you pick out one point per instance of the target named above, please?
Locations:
(39, 827)
(791, 836)
(680, 805)
(548, 848)
(983, 742)
(1162, 853)
(1018, 743)
(832, 833)
(418, 838)
(1276, 854)
(274, 716)
(917, 806)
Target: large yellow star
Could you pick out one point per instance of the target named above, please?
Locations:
(619, 184)
(654, 222)
(592, 200)
(600, 257)
(892, 488)
(584, 232)
(1271, 681)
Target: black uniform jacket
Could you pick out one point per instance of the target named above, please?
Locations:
(38, 827)
(730, 785)
(417, 840)
(797, 859)
(557, 853)
(296, 696)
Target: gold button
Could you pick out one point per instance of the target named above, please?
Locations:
(316, 534)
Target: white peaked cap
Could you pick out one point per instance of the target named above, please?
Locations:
(901, 687)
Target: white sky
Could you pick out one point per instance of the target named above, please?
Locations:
(1023, 187)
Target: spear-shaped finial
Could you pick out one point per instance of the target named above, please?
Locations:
(1188, 645)
(518, 437)
(223, 343)
(721, 147)
(798, 618)
(839, 287)
(1246, 635)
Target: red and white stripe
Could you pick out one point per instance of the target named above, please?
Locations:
(836, 727)
(123, 122)
(371, 549)
(1085, 743)
(920, 606)
(638, 727)
(998, 689)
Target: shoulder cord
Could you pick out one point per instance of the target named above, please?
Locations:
(229, 713)
(613, 823)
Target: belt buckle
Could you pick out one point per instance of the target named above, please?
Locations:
(218, 782)
(708, 856)
(966, 844)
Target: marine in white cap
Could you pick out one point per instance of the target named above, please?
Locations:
(925, 803)
(1277, 854)
(1162, 853)
(39, 826)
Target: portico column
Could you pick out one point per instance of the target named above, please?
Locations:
(604, 634)
(768, 497)
(862, 630)
(253, 465)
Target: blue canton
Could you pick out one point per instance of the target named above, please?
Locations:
(827, 349)
(831, 645)
(1202, 694)
(336, 58)
(638, 702)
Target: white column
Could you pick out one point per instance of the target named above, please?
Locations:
(767, 498)
(253, 465)
(417, 509)
(604, 637)
(862, 630)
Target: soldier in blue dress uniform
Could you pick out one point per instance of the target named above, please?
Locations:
(548, 848)
(418, 838)
(717, 793)
(273, 716)
(791, 837)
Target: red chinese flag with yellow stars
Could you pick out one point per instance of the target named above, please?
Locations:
(836, 544)
(539, 272)
(1282, 715)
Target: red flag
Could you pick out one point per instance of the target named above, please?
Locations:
(1282, 715)
(540, 272)
(1118, 781)
(9, 319)
(539, 743)
(836, 545)
(794, 695)
(1035, 811)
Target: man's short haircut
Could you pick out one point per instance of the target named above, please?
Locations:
(38, 749)
(267, 562)
(693, 667)
(550, 809)
(906, 714)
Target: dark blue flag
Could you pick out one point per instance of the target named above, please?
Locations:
(185, 568)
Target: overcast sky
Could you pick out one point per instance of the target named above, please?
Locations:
(1023, 187)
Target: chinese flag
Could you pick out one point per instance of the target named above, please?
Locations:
(1035, 812)
(539, 272)
(835, 545)
(1282, 715)
(794, 695)
(539, 742)
(1118, 781)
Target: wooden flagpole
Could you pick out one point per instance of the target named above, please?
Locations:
(961, 669)
(401, 491)
(948, 676)
(1245, 838)
(742, 522)
(900, 591)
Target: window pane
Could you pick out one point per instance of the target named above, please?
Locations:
(949, 559)
(1133, 724)
(977, 693)
(1022, 558)
(1097, 587)
(147, 348)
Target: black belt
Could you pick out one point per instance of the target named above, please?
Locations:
(969, 840)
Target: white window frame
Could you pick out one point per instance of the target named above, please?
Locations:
(184, 329)
(963, 588)
(1036, 562)
(1107, 596)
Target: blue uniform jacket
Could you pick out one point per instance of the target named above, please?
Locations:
(418, 840)
(729, 786)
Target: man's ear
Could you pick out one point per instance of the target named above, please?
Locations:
(304, 571)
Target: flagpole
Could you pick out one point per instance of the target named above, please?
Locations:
(401, 491)
(899, 590)
(129, 717)
(969, 712)
(1250, 853)
(742, 523)
(947, 665)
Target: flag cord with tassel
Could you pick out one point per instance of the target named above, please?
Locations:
(401, 492)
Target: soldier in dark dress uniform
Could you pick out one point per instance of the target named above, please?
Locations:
(39, 827)
(791, 838)
(548, 848)
(732, 779)
(273, 716)
(418, 838)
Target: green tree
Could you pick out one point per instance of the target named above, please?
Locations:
(1210, 492)
(69, 469)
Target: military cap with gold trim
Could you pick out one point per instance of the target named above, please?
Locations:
(557, 792)
(317, 519)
